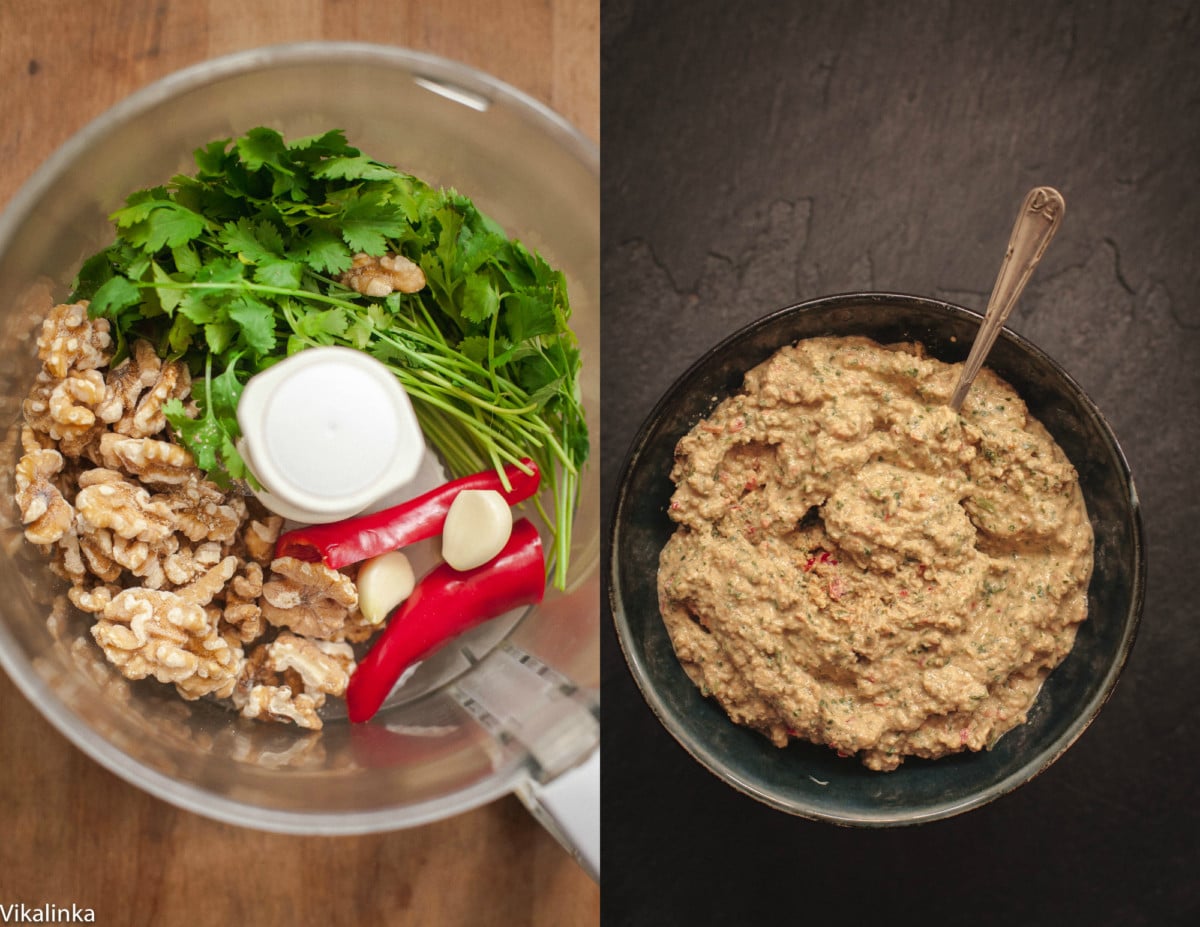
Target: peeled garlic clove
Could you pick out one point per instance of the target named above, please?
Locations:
(478, 525)
(383, 583)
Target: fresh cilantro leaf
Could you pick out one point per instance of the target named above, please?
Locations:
(232, 461)
(139, 205)
(200, 306)
(529, 313)
(221, 270)
(324, 250)
(380, 319)
(577, 443)
(202, 436)
(358, 167)
(210, 159)
(261, 146)
(217, 203)
(95, 272)
(270, 237)
(136, 268)
(117, 294)
(180, 334)
(321, 325)
(211, 436)
(359, 334)
(257, 322)
(410, 199)
(264, 148)
(279, 273)
(187, 261)
(387, 353)
(527, 268)
(168, 224)
(536, 374)
(479, 240)
(219, 335)
(251, 241)
(547, 394)
(475, 348)
(122, 255)
(479, 299)
(449, 222)
(169, 296)
(226, 391)
(331, 142)
(367, 222)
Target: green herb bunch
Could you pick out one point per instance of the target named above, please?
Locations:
(235, 268)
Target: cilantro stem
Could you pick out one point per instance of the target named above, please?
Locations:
(468, 391)
(465, 390)
(309, 295)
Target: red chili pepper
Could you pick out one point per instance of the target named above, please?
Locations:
(341, 543)
(444, 604)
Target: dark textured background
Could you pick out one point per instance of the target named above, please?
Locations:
(759, 154)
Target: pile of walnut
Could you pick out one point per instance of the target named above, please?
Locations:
(178, 574)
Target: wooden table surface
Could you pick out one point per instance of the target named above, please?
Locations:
(69, 830)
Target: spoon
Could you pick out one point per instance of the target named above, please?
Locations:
(1038, 220)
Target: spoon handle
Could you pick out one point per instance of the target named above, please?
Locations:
(1038, 220)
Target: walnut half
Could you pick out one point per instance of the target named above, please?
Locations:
(323, 665)
(69, 340)
(288, 679)
(46, 515)
(280, 703)
(379, 276)
(243, 614)
(137, 389)
(124, 508)
(144, 632)
(309, 598)
(159, 463)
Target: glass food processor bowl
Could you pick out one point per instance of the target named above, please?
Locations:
(513, 706)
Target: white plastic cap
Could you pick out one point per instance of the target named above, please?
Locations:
(327, 432)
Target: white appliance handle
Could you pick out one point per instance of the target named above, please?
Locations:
(569, 807)
(513, 692)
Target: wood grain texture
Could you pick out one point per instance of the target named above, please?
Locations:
(69, 830)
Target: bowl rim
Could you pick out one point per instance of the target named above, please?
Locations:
(431, 67)
(699, 751)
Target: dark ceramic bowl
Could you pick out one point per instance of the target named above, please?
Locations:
(813, 781)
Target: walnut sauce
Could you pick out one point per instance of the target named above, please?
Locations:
(859, 566)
